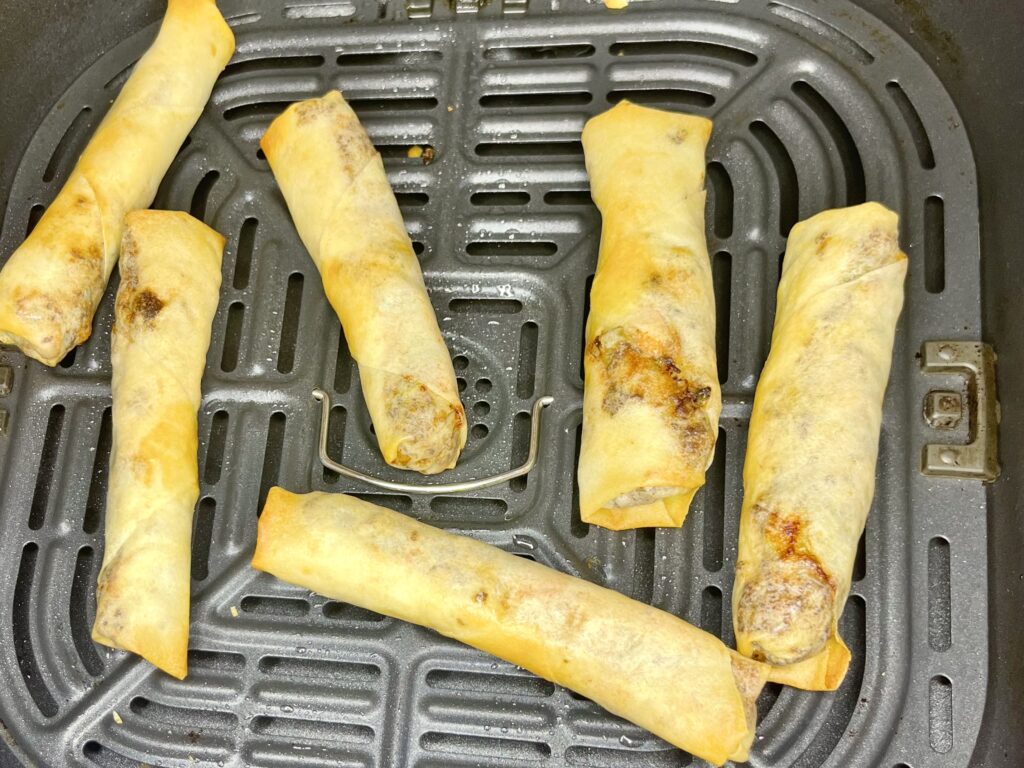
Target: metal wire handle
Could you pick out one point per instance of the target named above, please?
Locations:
(469, 485)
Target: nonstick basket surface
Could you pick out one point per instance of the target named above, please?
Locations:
(814, 107)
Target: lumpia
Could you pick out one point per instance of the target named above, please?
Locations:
(809, 474)
(338, 194)
(651, 400)
(51, 285)
(648, 666)
(170, 286)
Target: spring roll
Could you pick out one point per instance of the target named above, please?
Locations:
(51, 285)
(643, 664)
(809, 474)
(338, 194)
(651, 400)
(170, 286)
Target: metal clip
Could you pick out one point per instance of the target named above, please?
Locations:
(979, 458)
(470, 485)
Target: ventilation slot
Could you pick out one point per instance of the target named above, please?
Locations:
(79, 617)
(411, 199)
(335, 10)
(823, 29)
(844, 704)
(68, 359)
(342, 366)
(486, 306)
(182, 717)
(568, 197)
(96, 501)
(243, 257)
(940, 633)
(98, 754)
(588, 284)
(393, 105)
(918, 133)
(319, 669)
(47, 465)
(765, 702)
(274, 606)
(860, 564)
(492, 684)
(272, 456)
(527, 373)
(199, 662)
(201, 196)
(499, 198)
(506, 751)
(266, 110)
(577, 527)
(534, 52)
(711, 611)
(677, 48)
(530, 149)
(934, 245)
(721, 278)
(120, 78)
(353, 613)
(512, 248)
(785, 174)
(202, 534)
(603, 757)
(520, 448)
(663, 97)
(393, 501)
(846, 147)
(387, 58)
(466, 509)
(290, 323)
(643, 564)
(714, 507)
(232, 337)
(940, 714)
(272, 64)
(304, 730)
(21, 618)
(720, 187)
(70, 145)
(215, 448)
(335, 440)
(521, 100)
(35, 213)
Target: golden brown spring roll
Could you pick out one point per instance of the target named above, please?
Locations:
(641, 663)
(339, 197)
(170, 286)
(51, 285)
(651, 401)
(810, 467)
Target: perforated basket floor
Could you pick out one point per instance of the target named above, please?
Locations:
(814, 107)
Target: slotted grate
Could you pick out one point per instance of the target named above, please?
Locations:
(813, 108)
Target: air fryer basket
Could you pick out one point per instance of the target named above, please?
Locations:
(815, 105)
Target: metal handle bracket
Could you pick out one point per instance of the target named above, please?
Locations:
(979, 457)
(469, 485)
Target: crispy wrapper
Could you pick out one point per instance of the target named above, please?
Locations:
(651, 400)
(809, 474)
(51, 285)
(339, 197)
(170, 286)
(641, 663)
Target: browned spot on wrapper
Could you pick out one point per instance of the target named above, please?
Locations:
(147, 305)
(639, 369)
